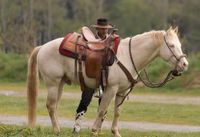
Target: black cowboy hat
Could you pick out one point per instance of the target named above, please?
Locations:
(102, 23)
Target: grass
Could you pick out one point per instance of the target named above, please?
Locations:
(19, 131)
(131, 111)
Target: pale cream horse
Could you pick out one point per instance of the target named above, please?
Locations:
(57, 70)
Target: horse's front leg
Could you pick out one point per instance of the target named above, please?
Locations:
(114, 129)
(105, 115)
(106, 99)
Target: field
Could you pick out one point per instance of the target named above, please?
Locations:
(180, 106)
(131, 111)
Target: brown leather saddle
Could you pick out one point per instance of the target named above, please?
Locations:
(95, 53)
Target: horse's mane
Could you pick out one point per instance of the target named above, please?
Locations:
(156, 35)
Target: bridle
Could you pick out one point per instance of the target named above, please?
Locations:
(173, 54)
(169, 76)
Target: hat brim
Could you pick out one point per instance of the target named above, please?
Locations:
(104, 27)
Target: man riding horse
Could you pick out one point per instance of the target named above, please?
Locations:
(102, 32)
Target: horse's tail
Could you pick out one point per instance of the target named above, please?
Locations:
(32, 83)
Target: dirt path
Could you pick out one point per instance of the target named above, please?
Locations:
(138, 126)
(132, 98)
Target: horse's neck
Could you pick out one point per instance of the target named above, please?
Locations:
(144, 50)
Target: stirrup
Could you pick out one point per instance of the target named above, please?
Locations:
(99, 92)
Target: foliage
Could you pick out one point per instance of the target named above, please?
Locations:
(13, 67)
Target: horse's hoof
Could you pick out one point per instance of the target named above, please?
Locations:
(94, 134)
(76, 130)
(116, 133)
(56, 131)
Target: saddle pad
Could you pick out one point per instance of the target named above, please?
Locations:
(63, 51)
(67, 46)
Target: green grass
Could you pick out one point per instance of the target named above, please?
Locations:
(19, 131)
(131, 111)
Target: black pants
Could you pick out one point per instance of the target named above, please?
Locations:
(86, 98)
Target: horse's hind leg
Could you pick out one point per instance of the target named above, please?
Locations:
(52, 100)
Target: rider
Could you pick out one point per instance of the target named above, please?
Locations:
(102, 27)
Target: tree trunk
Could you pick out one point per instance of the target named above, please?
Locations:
(3, 25)
(49, 19)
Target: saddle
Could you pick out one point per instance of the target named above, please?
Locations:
(96, 54)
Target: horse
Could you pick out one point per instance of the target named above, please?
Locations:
(57, 70)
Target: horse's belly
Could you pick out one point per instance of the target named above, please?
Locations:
(70, 72)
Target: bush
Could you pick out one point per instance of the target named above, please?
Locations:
(13, 67)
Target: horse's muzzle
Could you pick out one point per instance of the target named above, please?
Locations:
(176, 73)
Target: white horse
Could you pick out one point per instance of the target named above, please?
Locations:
(56, 70)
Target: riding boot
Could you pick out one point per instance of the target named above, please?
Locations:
(78, 121)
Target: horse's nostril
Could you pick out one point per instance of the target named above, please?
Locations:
(185, 64)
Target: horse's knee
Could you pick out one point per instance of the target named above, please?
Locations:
(50, 106)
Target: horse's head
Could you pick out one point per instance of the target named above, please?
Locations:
(171, 51)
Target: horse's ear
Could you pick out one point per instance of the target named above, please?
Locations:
(170, 28)
(176, 30)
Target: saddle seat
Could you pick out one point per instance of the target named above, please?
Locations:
(89, 35)
(92, 41)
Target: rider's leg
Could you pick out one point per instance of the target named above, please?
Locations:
(86, 98)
